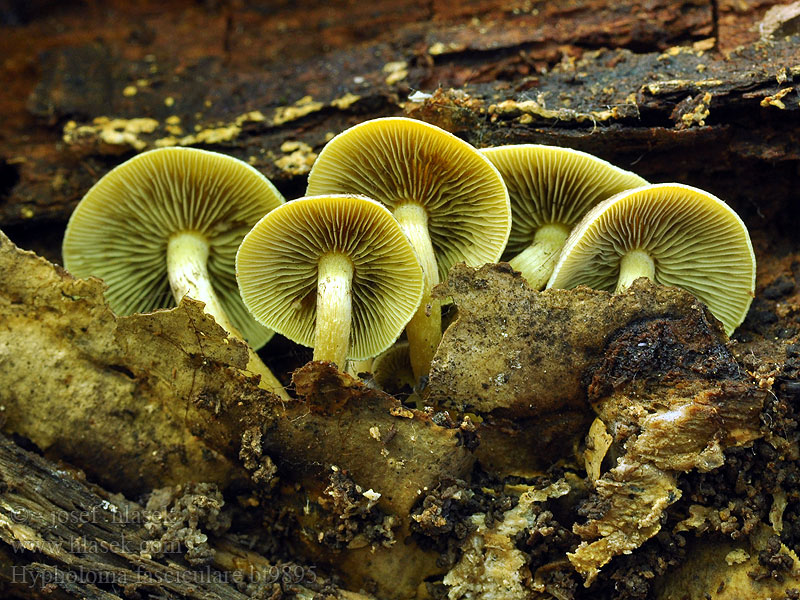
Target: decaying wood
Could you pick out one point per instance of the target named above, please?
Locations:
(698, 91)
(67, 387)
(62, 538)
(732, 569)
(679, 81)
(149, 400)
(651, 363)
(347, 465)
(113, 371)
(534, 366)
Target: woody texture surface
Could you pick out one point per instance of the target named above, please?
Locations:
(566, 444)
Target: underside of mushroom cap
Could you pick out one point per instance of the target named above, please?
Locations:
(397, 160)
(278, 260)
(695, 240)
(548, 184)
(120, 230)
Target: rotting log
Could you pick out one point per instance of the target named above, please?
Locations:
(144, 390)
(651, 365)
(66, 385)
(670, 97)
(65, 539)
(155, 399)
(680, 91)
(534, 366)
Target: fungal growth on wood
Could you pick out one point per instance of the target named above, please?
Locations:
(332, 272)
(628, 433)
(167, 224)
(450, 202)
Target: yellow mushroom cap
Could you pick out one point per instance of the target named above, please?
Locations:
(396, 160)
(277, 269)
(696, 241)
(120, 229)
(547, 184)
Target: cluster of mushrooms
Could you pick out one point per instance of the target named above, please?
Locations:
(391, 205)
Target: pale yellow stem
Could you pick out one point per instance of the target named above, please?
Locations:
(354, 367)
(334, 308)
(424, 331)
(635, 264)
(537, 261)
(187, 269)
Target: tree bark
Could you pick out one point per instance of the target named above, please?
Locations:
(676, 90)
(65, 539)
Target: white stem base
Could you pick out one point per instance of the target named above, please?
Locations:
(334, 309)
(537, 261)
(635, 264)
(187, 269)
(424, 330)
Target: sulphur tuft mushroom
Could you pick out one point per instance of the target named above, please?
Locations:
(551, 189)
(391, 370)
(450, 201)
(166, 224)
(673, 234)
(334, 272)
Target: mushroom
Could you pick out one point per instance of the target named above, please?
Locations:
(673, 234)
(391, 370)
(550, 190)
(450, 201)
(171, 219)
(334, 272)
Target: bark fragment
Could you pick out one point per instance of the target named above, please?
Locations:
(176, 373)
(63, 539)
(69, 382)
(651, 363)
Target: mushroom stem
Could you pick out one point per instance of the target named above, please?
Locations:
(536, 262)
(187, 268)
(334, 308)
(635, 264)
(424, 330)
(354, 367)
